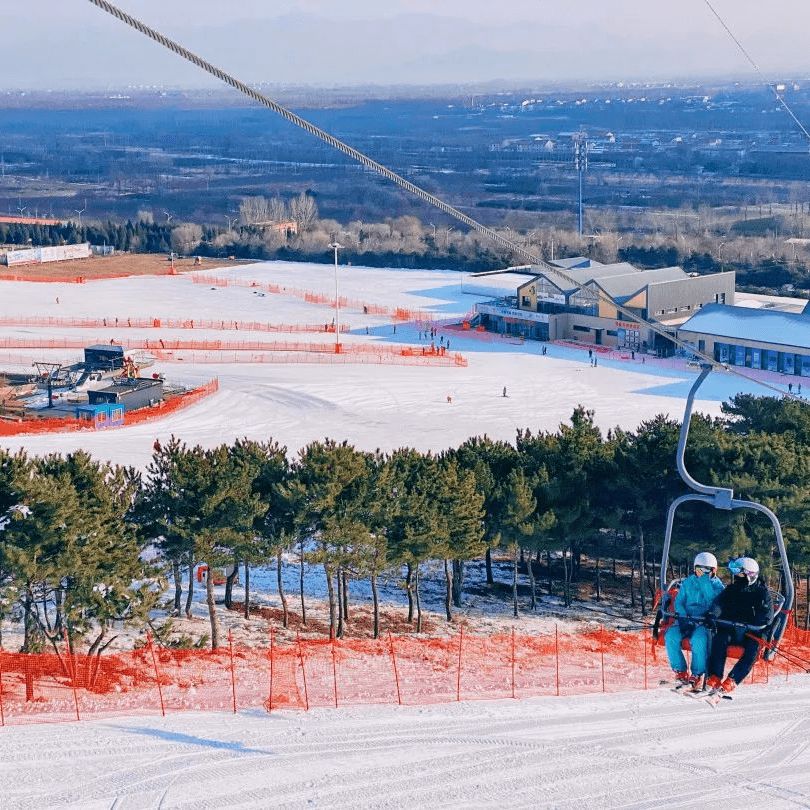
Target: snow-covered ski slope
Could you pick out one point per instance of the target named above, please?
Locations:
(650, 749)
(371, 404)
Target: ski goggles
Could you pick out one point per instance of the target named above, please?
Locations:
(737, 570)
(703, 569)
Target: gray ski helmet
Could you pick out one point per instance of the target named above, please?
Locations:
(705, 560)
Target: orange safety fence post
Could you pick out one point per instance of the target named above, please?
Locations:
(303, 671)
(602, 652)
(334, 670)
(557, 657)
(2, 710)
(233, 678)
(157, 674)
(394, 663)
(513, 662)
(72, 673)
(272, 653)
(458, 674)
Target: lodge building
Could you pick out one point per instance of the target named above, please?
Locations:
(576, 303)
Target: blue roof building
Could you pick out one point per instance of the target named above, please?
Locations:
(755, 338)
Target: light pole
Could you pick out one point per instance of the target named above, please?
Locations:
(336, 246)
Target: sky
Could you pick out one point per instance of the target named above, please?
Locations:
(628, 749)
(75, 45)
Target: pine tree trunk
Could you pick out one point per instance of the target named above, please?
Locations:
(281, 594)
(178, 586)
(212, 608)
(632, 583)
(548, 560)
(488, 565)
(642, 567)
(418, 604)
(532, 584)
(57, 622)
(301, 585)
(190, 593)
(229, 580)
(567, 578)
(448, 592)
(514, 581)
(409, 592)
(375, 600)
(345, 596)
(340, 583)
(247, 590)
(458, 581)
(598, 572)
(330, 588)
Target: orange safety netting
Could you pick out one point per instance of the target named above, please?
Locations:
(396, 313)
(305, 673)
(163, 323)
(25, 427)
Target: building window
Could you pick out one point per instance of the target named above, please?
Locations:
(582, 328)
(612, 333)
(720, 298)
(659, 311)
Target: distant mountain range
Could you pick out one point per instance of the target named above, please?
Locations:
(96, 53)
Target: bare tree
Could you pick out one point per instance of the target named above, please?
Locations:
(303, 211)
(277, 210)
(253, 210)
(186, 237)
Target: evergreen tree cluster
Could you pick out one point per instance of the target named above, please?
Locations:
(76, 534)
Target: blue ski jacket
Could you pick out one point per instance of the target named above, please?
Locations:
(696, 594)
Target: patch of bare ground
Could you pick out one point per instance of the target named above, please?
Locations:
(115, 266)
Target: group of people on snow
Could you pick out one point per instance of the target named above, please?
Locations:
(714, 617)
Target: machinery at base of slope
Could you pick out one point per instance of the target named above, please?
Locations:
(723, 498)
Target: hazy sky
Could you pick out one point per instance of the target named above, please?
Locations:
(73, 44)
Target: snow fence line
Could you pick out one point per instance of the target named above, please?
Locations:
(29, 427)
(308, 673)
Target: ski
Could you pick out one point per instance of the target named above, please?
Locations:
(714, 698)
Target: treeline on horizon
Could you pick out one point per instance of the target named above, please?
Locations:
(405, 242)
(88, 545)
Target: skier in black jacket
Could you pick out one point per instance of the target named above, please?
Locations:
(747, 603)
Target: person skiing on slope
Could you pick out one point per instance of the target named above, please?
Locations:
(696, 595)
(747, 604)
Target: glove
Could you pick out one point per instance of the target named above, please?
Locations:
(686, 626)
(710, 622)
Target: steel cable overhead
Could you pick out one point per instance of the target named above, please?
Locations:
(423, 195)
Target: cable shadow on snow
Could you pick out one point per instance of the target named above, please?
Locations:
(190, 739)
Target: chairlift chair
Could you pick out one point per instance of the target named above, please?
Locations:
(723, 498)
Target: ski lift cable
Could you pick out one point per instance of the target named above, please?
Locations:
(769, 84)
(425, 196)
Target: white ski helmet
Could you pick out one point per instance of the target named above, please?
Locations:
(745, 566)
(706, 560)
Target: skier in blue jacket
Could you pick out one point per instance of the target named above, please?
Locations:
(695, 596)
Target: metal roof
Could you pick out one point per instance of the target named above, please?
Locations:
(758, 325)
(630, 283)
